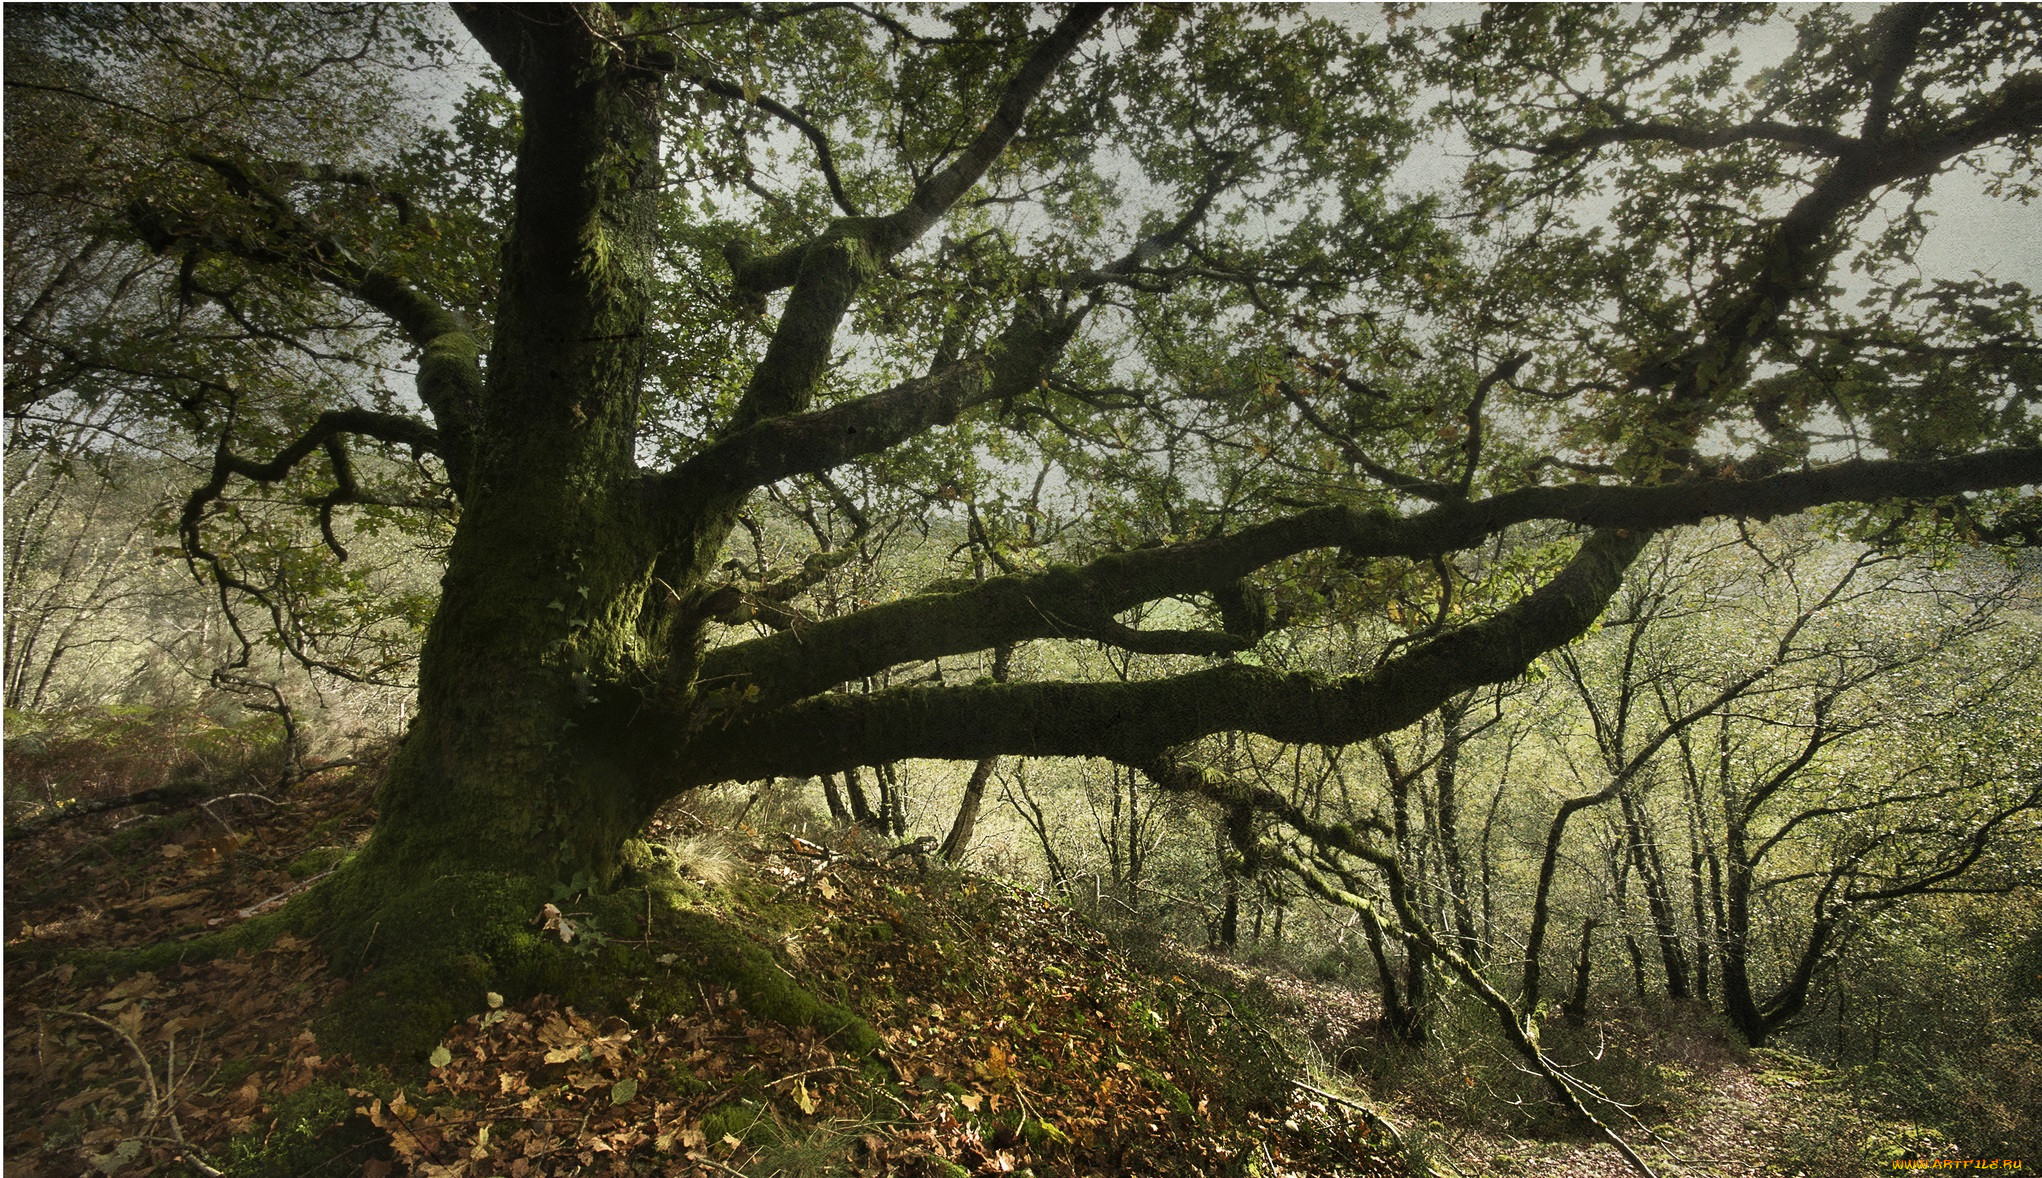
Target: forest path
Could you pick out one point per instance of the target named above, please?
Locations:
(1730, 1113)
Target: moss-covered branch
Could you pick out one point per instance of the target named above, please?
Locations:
(1068, 602)
(810, 443)
(449, 379)
(1134, 721)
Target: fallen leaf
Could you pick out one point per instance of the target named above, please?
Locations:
(557, 923)
(623, 1091)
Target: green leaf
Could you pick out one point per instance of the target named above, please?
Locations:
(440, 1057)
(622, 1091)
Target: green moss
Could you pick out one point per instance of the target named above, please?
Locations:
(735, 1119)
(421, 955)
(1171, 1093)
(150, 831)
(1039, 1133)
(315, 1131)
(316, 860)
(717, 952)
(685, 1081)
(230, 1074)
(249, 936)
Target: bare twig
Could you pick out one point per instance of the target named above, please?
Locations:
(280, 897)
(162, 1097)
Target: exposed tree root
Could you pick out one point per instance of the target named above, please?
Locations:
(422, 955)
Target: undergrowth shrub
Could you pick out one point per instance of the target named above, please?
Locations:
(1645, 1058)
(1230, 1034)
(1957, 1039)
(55, 759)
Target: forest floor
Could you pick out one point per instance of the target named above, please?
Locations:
(1017, 1037)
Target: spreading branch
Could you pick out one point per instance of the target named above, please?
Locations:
(1133, 720)
(449, 378)
(792, 665)
(827, 272)
(824, 157)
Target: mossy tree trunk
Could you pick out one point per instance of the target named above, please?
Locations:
(512, 766)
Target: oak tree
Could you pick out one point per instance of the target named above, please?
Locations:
(1196, 264)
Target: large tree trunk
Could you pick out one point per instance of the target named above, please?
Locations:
(521, 782)
(512, 766)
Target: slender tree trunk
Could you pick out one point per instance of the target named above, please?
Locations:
(1236, 851)
(1402, 1009)
(966, 822)
(1658, 897)
(1719, 920)
(1489, 869)
(1621, 867)
(861, 810)
(1575, 1009)
(1446, 777)
(835, 797)
(893, 817)
(1697, 856)
(1738, 1001)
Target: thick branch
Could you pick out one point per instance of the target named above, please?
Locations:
(935, 196)
(1900, 26)
(795, 664)
(387, 427)
(810, 443)
(939, 192)
(449, 372)
(1791, 258)
(1813, 140)
(1132, 721)
(827, 272)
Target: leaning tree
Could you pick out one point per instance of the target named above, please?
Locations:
(1203, 267)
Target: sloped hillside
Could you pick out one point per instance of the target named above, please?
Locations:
(1015, 1038)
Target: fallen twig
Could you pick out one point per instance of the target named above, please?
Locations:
(273, 901)
(162, 1098)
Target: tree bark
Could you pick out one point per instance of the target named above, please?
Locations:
(1575, 1009)
(1645, 858)
(835, 798)
(966, 822)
